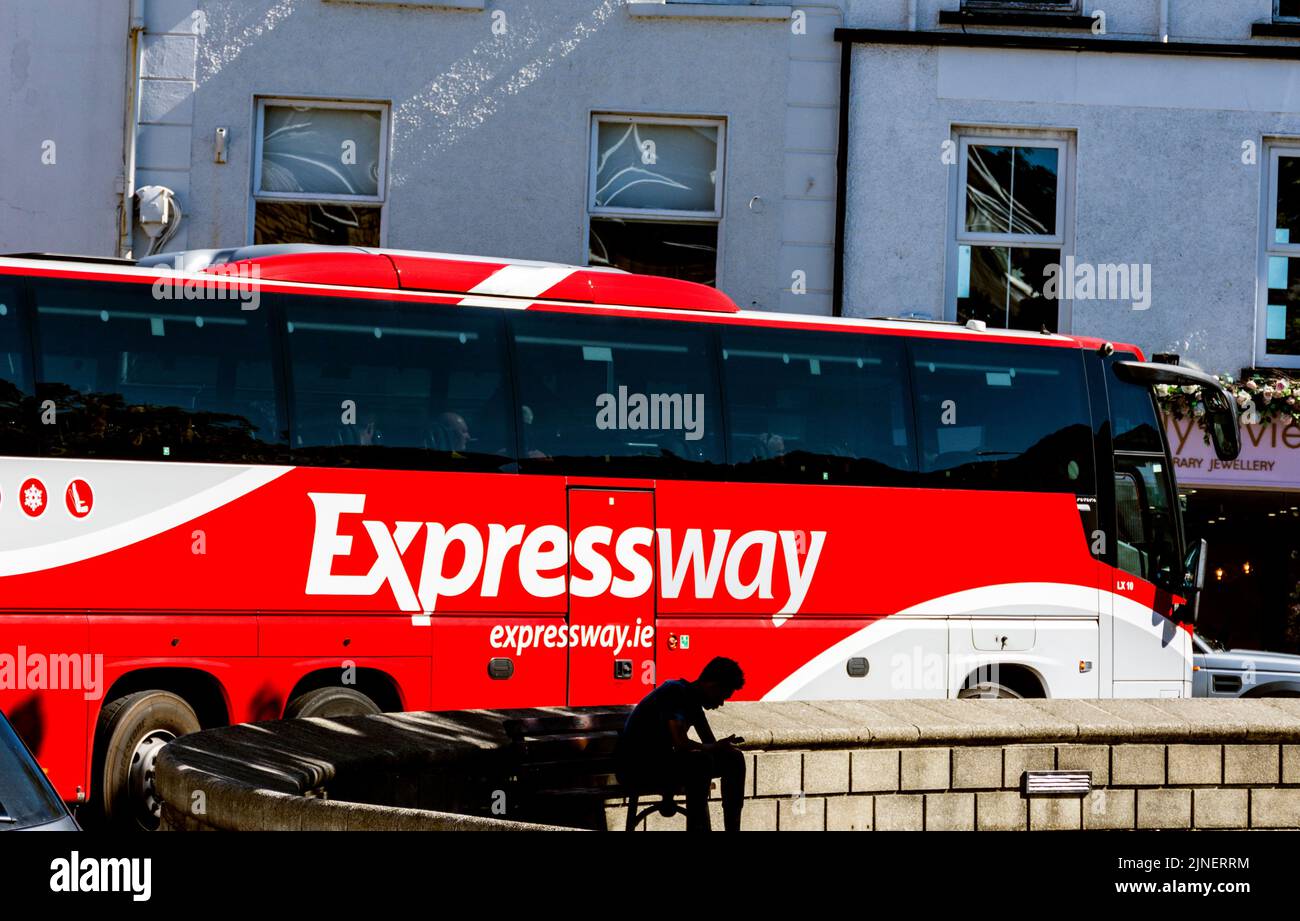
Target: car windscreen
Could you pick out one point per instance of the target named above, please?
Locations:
(26, 797)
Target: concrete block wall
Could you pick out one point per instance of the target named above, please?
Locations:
(1177, 785)
(814, 765)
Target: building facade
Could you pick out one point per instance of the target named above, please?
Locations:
(690, 139)
(1122, 170)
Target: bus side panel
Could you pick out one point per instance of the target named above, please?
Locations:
(224, 539)
(1153, 654)
(863, 551)
(527, 647)
(343, 636)
(168, 635)
(48, 684)
(813, 658)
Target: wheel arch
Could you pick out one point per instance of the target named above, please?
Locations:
(375, 683)
(1024, 679)
(201, 689)
(1284, 688)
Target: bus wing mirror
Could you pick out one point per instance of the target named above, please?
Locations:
(1194, 575)
(1221, 419)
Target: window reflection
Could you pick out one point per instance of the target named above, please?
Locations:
(1011, 189)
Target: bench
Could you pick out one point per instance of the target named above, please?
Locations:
(564, 766)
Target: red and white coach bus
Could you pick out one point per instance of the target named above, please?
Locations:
(300, 481)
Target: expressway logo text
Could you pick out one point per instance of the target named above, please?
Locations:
(742, 565)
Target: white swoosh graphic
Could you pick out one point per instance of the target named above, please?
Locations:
(73, 550)
(1045, 599)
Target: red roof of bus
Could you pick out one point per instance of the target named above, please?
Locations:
(474, 280)
(488, 278)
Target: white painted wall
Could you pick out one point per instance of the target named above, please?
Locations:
(62, 83)
(1159, 179)
(491, 132)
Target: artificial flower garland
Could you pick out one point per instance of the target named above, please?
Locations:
(1261, 400)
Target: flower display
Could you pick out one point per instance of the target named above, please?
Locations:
(1261, 400)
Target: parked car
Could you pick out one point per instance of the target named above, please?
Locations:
(1222, 672)
(27, 798)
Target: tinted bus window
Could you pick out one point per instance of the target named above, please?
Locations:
(610, 395)
(816, 407)
(136, 376)
(16, 406)
(1132, 411)
(993, 416)
(402, 385)
(1148, 524)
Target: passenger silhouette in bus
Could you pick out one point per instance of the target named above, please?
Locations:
(655, 755)
(450, 432)
(370, 434)
(769, 446)
(526, 416)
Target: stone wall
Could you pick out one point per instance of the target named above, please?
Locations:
(838, 765)
(979, 787)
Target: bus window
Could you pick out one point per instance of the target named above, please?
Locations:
(15, 379)
(994, 416)
(397, 385)
(816, 407)
(1132, 412)
(611, 395)
(134, 376)
(1147, 527)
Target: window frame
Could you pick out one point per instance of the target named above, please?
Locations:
(380, 199)
(1124, 460)
(283, 304)
(1277, 14)
(1022, 240)
(654, 215)
(1087, 487)
(573, 465)
(659, 215)
(901, 345)
(1269, 249)
(957, 235)
(39, 290)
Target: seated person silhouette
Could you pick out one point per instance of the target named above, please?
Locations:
(769, 446)
(531, 432)
(450, 432)
(370, 433)
(655, 755)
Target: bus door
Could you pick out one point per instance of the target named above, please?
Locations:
(610, 631)
(1152, 656)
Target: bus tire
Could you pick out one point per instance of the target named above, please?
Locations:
(131, 732)
(986, 690)
(330, 702)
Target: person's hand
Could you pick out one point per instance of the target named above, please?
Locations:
(729, 742)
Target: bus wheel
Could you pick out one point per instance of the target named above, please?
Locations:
(330, 702)
(132, 730)
(986, 690)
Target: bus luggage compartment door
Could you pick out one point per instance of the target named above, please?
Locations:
(611, 596)
(1052, 656)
